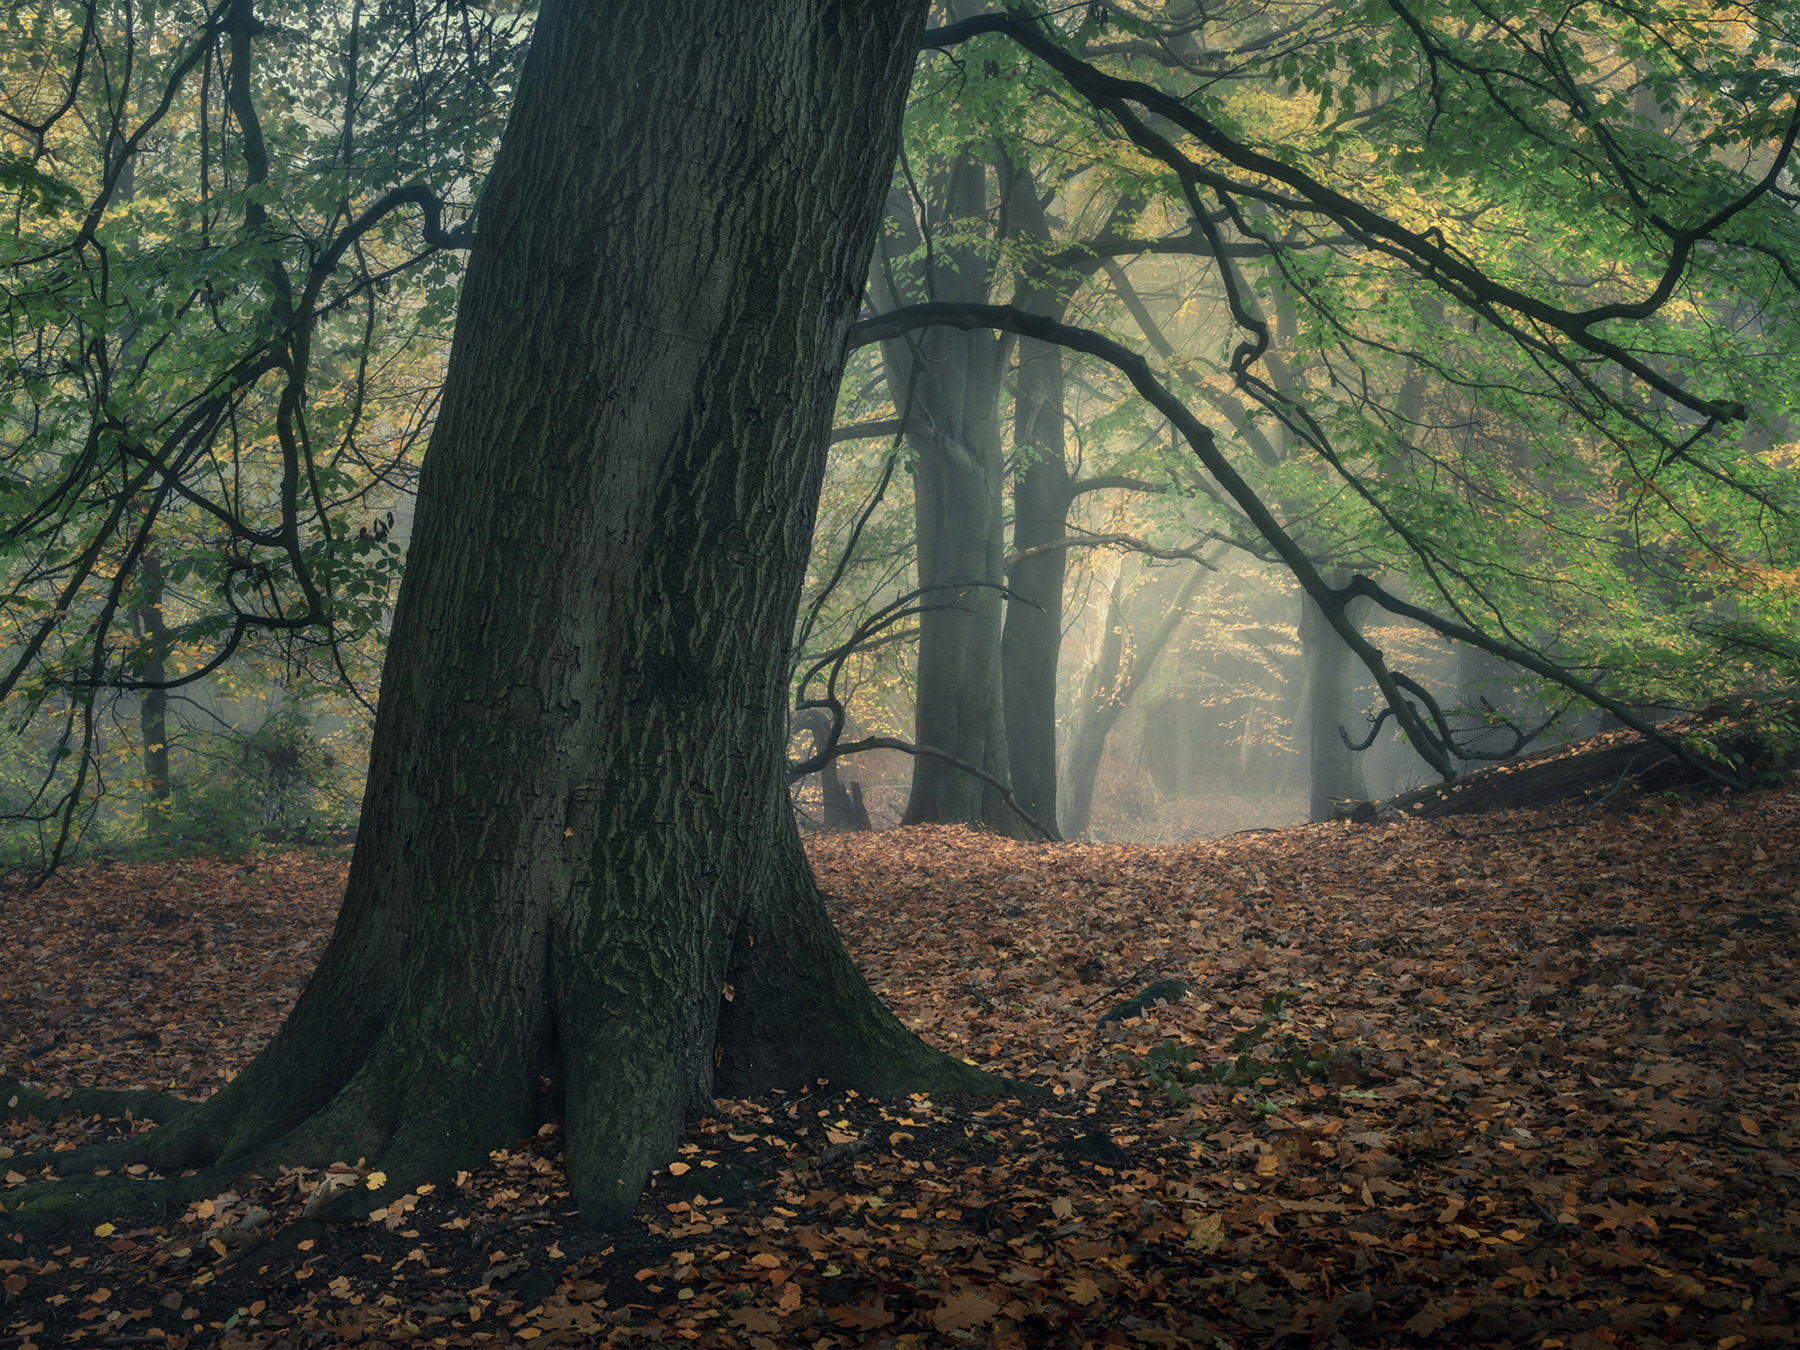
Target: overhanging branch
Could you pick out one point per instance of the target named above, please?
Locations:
(1332, 601)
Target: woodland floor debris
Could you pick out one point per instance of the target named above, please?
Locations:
(1561, 1112)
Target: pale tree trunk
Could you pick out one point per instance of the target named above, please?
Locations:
(1329, 709)
(578, 890)
(1106, 690)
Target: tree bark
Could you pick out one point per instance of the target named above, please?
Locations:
(947, 385)
(1031, 639)
(543, 918)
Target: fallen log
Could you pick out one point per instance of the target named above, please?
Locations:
(1738, 741)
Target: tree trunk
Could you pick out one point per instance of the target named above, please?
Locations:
(1097, 707)
(153, 704)
(842, 802)
(543, 918)
(1598, 768)
(1335, 770)
(1031, 641)
(1107, 690)
(946, 385)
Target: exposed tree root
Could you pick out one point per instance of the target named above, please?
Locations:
(422, 1081)
(18, 1102)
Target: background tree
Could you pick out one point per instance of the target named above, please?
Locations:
(221, 351)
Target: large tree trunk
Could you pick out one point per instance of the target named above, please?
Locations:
(578, 889)
(946, 385)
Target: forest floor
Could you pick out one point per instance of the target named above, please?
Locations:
(1540, 1088)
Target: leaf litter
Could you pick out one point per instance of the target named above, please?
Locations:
(1524, 1079)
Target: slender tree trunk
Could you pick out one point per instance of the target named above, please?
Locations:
(1097, 707)
(1106, 690)
(842, 802)
(153, 704)
(542, 918)
(1336, 771)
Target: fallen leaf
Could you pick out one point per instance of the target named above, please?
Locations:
(962, 1311)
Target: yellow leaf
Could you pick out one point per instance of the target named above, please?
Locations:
(104, 1230)
(376, 1180)
(1206, 1232)
(679, 1169)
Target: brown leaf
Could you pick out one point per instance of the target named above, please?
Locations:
(1084, 1291)
(964, 1310)
(864, 1316)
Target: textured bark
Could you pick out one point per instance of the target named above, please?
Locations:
(947, 385)
(578, 886)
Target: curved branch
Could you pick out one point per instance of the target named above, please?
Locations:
(908, 748)
(1331, 600)
(1425, 253)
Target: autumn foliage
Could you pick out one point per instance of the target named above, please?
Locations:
(1550, 1102)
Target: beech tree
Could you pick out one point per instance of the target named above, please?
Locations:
(578, 891)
